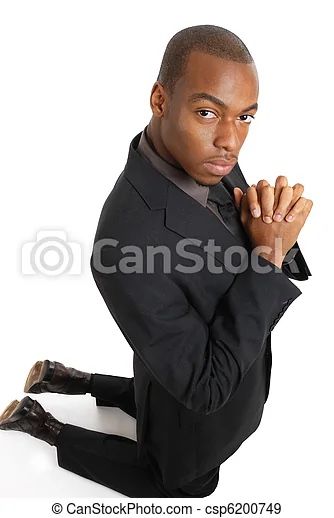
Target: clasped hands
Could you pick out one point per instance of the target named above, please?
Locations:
(273, 203)
(271, 214)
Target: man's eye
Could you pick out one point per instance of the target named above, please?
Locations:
(206, 111)
(244, 120)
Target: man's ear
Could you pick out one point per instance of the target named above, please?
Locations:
(158, 100)
(238, 194)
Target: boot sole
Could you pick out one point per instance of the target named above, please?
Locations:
(9, 410)
(15, 410)
(38, 373)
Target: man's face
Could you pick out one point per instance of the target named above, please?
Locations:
(195, 130)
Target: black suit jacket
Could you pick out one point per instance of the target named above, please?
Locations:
(201, 341)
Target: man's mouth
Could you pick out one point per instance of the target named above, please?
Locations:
(219, 167)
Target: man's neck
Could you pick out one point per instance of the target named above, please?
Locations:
(154, 138)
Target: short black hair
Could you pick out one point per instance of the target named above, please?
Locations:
(210, 39)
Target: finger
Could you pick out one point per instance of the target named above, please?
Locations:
(307, 209)
(284, 203)
(296, 209)
(238, 194)
(298, 190)
(261, 183)
(308, 206)
(267, 201)
(281, 181)
(253, 202)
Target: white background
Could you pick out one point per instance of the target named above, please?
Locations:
(75, 84)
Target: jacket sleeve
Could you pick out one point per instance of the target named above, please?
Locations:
(201, 365)
(294, 264)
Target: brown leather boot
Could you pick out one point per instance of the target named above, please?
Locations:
(30, 417)
(48, 376)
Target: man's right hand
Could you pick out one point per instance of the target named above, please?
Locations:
(278, 236)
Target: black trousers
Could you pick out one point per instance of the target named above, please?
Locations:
(111, 460)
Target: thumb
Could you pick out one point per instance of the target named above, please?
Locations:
(238, 194)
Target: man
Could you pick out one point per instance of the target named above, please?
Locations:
(199, 324)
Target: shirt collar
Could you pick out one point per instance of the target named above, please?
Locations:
(176, 175)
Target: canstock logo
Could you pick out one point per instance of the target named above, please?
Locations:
(51, 254)
(141, 259)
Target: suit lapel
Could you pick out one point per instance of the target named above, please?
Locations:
(191, 220)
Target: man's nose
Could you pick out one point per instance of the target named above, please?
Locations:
(227, 137)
